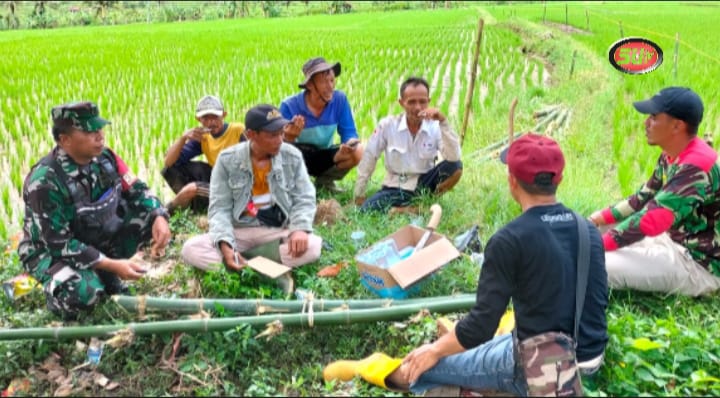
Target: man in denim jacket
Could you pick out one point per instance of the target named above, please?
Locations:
(260, 192)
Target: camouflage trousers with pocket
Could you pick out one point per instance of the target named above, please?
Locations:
(548, 363)
(69, 290)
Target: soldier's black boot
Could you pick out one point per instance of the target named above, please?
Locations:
(55, 307)
(113, 284)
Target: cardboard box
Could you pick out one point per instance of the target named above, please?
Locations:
(403, 277)
(268, 267)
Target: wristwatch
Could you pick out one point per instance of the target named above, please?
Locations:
(160, 211)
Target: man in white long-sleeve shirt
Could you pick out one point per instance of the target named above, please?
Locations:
(411, 142)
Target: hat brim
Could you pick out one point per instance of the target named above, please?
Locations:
(504, 154)
(275, 125)
(648, 107)
(321, 68)
(95, 123)
(215, 112)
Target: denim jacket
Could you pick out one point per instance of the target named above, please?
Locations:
(231, 189)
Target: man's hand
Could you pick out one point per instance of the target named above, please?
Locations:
(359, 201)
(349, 154)
(349, 147)
(420, 360)
(196, 133)
(432, 114)
(233, 260)
(294, 128)
(298, 243)
(123, 268)
(597, 218)
(161, 237)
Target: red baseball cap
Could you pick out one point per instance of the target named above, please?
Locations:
(532, 154)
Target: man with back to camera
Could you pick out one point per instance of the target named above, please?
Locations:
(539, 275)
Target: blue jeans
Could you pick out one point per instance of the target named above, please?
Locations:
(489, 366)
(387, 196)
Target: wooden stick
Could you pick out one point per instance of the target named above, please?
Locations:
(587, 20)
(676, 54)
(473, 74)
(511, 122)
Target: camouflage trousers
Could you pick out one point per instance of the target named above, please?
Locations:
(69, 290)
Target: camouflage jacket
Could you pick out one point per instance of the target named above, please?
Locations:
(681, 198)
(50, 211)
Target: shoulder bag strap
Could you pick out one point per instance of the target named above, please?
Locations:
(583, 265)
(71, 185)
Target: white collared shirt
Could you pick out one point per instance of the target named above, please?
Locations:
(406, 157)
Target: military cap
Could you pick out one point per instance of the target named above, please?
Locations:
(82, 115)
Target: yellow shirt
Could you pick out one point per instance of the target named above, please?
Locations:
(261, 196)
(212, 146)
(261, 190)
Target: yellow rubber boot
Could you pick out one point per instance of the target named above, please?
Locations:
(507, 323)
(342, 370)
(377, 367)
(374, 369)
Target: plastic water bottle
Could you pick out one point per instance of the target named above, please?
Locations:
(301, 294)
(95, 350)
(477, 258)
(358, 239)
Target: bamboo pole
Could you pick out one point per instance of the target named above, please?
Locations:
(587, 20)
(572, 63)
(473, 75)
(143, 304)
(451, 304)
(676, 54)
(544, 11)
(566, 15)
(511, 121)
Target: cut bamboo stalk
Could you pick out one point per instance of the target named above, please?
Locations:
(544, 111)
(451, 304)
(143, 304)
(546, 120)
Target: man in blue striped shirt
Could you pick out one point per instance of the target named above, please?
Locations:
(321, 110)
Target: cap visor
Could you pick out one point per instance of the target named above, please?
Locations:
(96, 123)
(504, 153)
(276, 124)
(648, 107)
(209, 112)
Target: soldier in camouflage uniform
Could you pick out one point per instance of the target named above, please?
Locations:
(85, 215)
(539, 275)
(666, 236)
